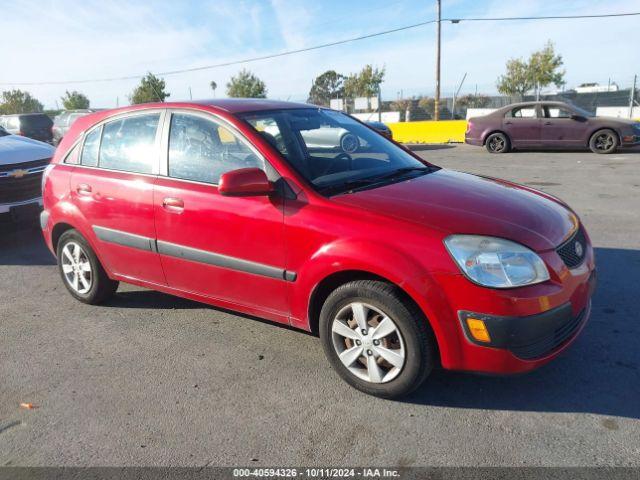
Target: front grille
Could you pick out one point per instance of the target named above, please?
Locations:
(26, 187)
(546, 345)
(573, 251)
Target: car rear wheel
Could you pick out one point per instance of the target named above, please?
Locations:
(377, 341)
(498, 143)
(604, 141)
(81, 271)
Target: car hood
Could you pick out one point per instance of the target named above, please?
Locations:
(455, 202)
(18, 149)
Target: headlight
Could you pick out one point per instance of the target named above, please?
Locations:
(636, 126)
(495, 262)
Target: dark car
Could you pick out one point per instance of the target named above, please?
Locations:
(550, 125)
(381, 128)
(63, 121)
(32, 125)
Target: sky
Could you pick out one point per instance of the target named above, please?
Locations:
(62, 40)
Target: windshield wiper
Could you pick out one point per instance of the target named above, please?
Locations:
(401, 172)
(368, 182)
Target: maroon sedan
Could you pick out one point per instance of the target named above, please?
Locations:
(550, 125)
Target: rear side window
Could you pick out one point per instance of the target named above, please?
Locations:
(73, 156)
(128, 144)
(528, 111)
(201, 150)
(91, 147)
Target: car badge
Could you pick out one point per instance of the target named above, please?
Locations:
(18, 173)
(578, 248)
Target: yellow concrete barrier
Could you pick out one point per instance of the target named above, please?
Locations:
(430, 131)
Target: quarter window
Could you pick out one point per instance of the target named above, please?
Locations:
(91, 147)
(202, 150)
(128, 144)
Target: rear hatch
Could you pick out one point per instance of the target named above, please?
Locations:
(37, 127)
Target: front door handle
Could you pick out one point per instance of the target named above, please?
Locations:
(548, 123)
(172, 204)
(508, 123)
(83, 189)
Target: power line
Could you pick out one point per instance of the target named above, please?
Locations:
(320, 46)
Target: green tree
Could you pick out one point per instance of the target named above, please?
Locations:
(74, 100)
(366, 83)
(325, 87)
(517, 80)
(542, 69)
(213, 86)
(405, 107)
(246, 85)
(151, 89)
(18, 101)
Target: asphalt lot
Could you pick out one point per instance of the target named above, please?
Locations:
(150, 379)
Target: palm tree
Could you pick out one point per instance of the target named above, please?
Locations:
(213, 86)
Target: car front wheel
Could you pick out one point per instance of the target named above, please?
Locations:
(604, 141)
(376, 339)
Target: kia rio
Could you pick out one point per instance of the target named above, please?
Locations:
(398, 265)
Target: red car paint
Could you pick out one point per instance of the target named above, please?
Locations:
(395, 232)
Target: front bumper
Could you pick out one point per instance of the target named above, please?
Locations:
(630, 140)
(528, 326)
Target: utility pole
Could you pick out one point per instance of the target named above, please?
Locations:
(436, 113)
(190, 96)
(632, 96)
(379, 104)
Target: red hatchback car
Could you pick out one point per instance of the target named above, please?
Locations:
(397, 264)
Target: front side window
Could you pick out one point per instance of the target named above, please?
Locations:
(128, 144)
(91, 147)
(557, 112)
(333, 151)
(202, 150)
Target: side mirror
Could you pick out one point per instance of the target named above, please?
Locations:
(245, 182)
(578, 118)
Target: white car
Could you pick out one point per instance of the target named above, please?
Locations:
(22, 163)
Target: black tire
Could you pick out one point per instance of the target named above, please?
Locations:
(498, 143)
(419, 342)
(604, 141)
(102, 287)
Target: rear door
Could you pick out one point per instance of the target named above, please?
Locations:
(226, 248)
(522, 124)
(113, 189)
(559, 129)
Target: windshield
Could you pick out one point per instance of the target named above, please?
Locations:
(582, 111)
(3, 132)
(331, 150)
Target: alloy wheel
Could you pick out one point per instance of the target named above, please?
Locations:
(76, 267)
(497, 144)
(368, 343)
(604, 141)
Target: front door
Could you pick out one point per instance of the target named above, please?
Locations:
(113, 188)
(522, 124)
(560, 129)
(226, 248)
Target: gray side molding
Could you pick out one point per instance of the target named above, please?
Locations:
(210, 258)
(125, 239)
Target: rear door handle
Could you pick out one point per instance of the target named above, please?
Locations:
(508, 123)
(172, 204)
(548, 123)
(83, 189)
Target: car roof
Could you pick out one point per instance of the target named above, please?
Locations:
(239, 105)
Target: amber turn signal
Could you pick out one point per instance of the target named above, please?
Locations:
(478, 330)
